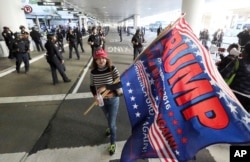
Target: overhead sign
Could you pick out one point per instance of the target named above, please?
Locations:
(27, 9)
(49, 3)
(65, 9)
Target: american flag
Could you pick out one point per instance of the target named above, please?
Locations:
(177, 101)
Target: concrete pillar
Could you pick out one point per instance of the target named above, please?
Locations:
(38, 23)
(126, 23)
(137, 21)
(16, 17)
(80, 22)
(194, 12)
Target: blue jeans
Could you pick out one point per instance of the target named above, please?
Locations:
(110, 109)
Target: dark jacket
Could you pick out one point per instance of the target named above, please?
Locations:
(138, 39)
(71, 37)
(241, 81)
(225, 61)
(8, 37)
(35, 35)
(52, 51)
(78, 35)
(59, 34)
(96, 39)
(243, 37)
(21, 46)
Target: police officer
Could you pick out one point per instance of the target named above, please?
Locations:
(21, 48)
(60, 36)
(137, 41)
(79, 38)
(25, 36)
(8, 38)
(72, 40)
(36, 37)
(55, 59)
(95, 40)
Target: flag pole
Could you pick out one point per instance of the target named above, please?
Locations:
(103, 95)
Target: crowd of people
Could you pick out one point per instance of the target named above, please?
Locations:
(19, 43)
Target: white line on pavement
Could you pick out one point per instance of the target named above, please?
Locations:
(19, 99)
(82, 76)
(13, 68)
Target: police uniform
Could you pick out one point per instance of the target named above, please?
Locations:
(96, 40)
(79, 38)
(54, 58)
(26, 37)
(21, 47)
(8, 38)
(71, 38)
(137, 41)
(36, 37)
(60, 36)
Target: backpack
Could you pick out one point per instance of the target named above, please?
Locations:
(229, 71)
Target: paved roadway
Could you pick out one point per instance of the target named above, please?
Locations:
(41, 122)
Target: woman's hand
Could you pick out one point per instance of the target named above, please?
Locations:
(101, 89)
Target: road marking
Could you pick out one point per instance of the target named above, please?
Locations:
(98, 153)
(13, 68)
(82, 76)
(56, 97)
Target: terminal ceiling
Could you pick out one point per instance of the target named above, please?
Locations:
(113, 11)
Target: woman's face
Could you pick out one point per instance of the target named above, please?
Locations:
(101, 62)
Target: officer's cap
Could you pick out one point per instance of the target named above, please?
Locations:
(5, 27)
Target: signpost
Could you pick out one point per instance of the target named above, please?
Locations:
(27, 9)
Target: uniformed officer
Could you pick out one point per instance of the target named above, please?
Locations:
(21, 48)
(8, 38)
(55, 59)
(72, 40)
(95, 40)
(36, 37)
(25, 36)
(60, 36)
(137, 41)
(79, 38)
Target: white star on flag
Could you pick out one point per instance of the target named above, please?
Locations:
(221, 94)
(138, 114)
(247, 120)
(130, 91)
(135, 106)
(232, 108)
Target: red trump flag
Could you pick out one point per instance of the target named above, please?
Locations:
(177, 101)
